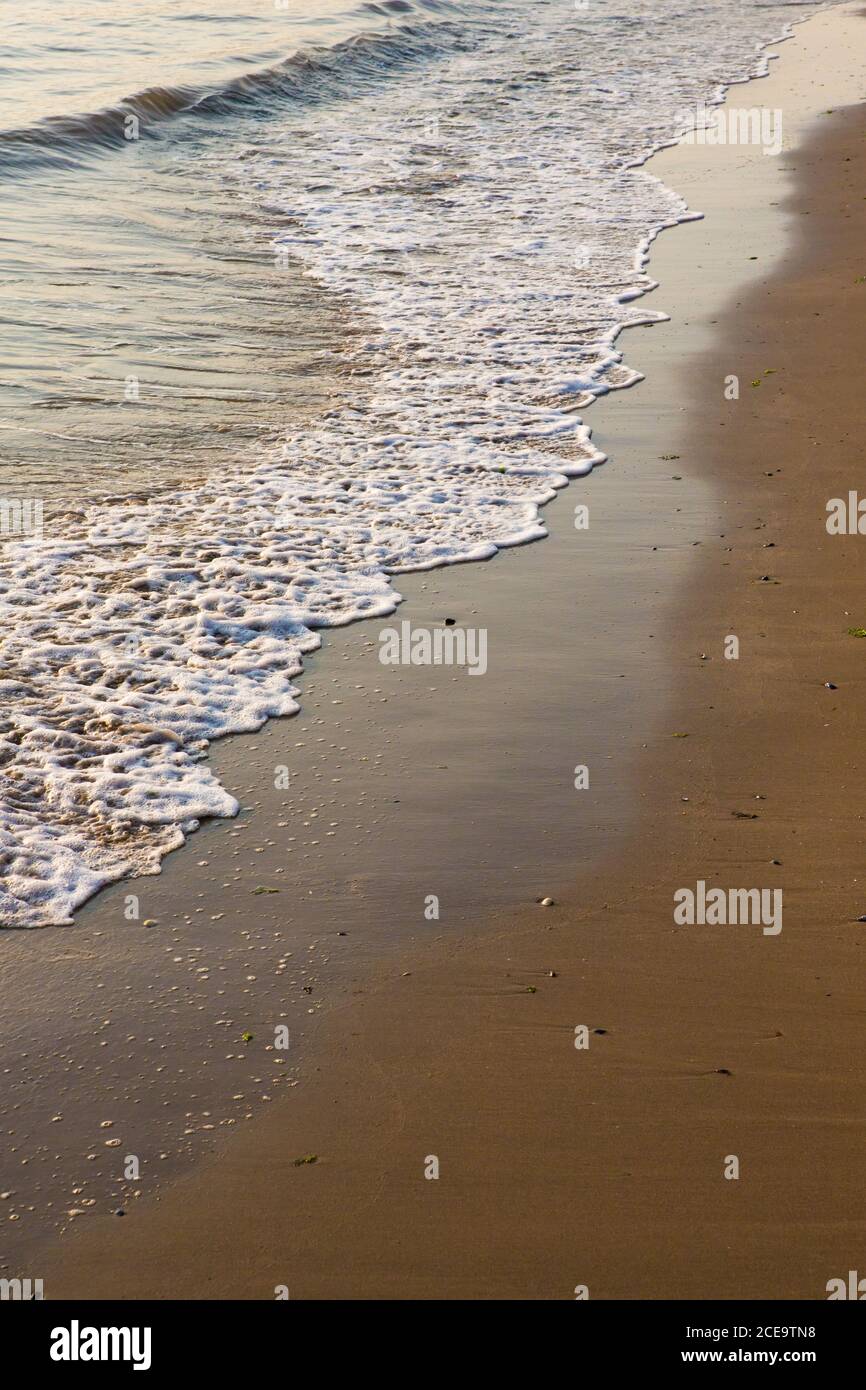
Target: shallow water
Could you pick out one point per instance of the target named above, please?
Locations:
(144, 339)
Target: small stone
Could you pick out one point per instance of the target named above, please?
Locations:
(149, 922)
(546, 902)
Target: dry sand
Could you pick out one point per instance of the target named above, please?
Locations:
(559, 1167)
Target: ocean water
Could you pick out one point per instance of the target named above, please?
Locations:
(295, 297)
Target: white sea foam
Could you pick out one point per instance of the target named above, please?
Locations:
(484, 218)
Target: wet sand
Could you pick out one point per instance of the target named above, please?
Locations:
(559, 1167)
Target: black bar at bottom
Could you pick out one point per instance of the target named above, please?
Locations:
(257, 1340)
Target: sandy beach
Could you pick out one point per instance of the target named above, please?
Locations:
(579, 1075)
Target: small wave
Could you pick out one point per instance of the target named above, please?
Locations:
(310, 75)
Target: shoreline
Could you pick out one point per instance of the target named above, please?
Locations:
(81, 852)
(452, 1030)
